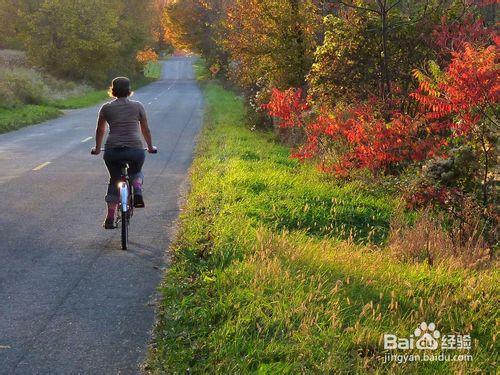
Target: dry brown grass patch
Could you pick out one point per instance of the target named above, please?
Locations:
(427, 241)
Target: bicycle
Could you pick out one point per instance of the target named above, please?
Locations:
(126, 202)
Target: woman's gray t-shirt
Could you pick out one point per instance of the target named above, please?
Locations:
(123, 116)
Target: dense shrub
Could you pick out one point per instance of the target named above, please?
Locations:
(12, 58)
(356, 136)
(19, 86)
(464, 98)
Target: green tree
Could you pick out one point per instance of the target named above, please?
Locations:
(271, 40)
(134, 31)
(13, 25)
(195, 25)
(347, 63)
(74, 38)
(370, 46)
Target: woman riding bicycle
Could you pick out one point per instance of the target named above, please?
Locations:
(126, 119)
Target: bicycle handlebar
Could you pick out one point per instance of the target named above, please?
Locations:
(154, 151)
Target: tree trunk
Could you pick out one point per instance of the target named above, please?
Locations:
(386, 80)
(300, 51)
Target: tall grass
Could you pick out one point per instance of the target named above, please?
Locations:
(279, 269)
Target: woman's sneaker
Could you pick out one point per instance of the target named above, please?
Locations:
(138, 201)
(109, 223)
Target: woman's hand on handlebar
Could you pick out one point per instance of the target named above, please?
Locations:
(97, 151)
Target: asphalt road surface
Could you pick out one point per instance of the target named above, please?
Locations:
(70, 300)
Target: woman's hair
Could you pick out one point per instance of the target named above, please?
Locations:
(120, 87)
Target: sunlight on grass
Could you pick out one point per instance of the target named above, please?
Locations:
(270, 274)
(85, 100)
(13, 119)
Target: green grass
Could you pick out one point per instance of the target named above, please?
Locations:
(201, 71)
(95, 97)
(263, 279)
(13, 119)
(18, 117)
(86, 100)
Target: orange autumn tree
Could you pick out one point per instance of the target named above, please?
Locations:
(146, 55)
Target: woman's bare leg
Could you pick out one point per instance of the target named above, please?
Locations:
(111, 210)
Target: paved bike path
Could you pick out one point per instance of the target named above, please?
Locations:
(70, 300)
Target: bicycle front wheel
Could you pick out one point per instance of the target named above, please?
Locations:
(125, 221)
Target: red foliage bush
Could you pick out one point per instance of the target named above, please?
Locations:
(467, 89)
(365, 138)
(452, 37)
(453, 106)
(380, 137)
(288, 106)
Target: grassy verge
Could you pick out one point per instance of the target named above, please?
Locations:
(16, 118)
(13, 119)
(95, 97)
(86, 100)
(265, 279)
(201, 71)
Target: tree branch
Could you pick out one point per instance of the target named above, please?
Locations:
(358, 7)
(393, 5)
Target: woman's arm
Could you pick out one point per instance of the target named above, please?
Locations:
(100, 130)
(146, 133)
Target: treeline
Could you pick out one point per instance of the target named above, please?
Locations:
(369, 88)
(356, 48)
(83, 40)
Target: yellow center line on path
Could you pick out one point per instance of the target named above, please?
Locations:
(41, 166)
(87, 139)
